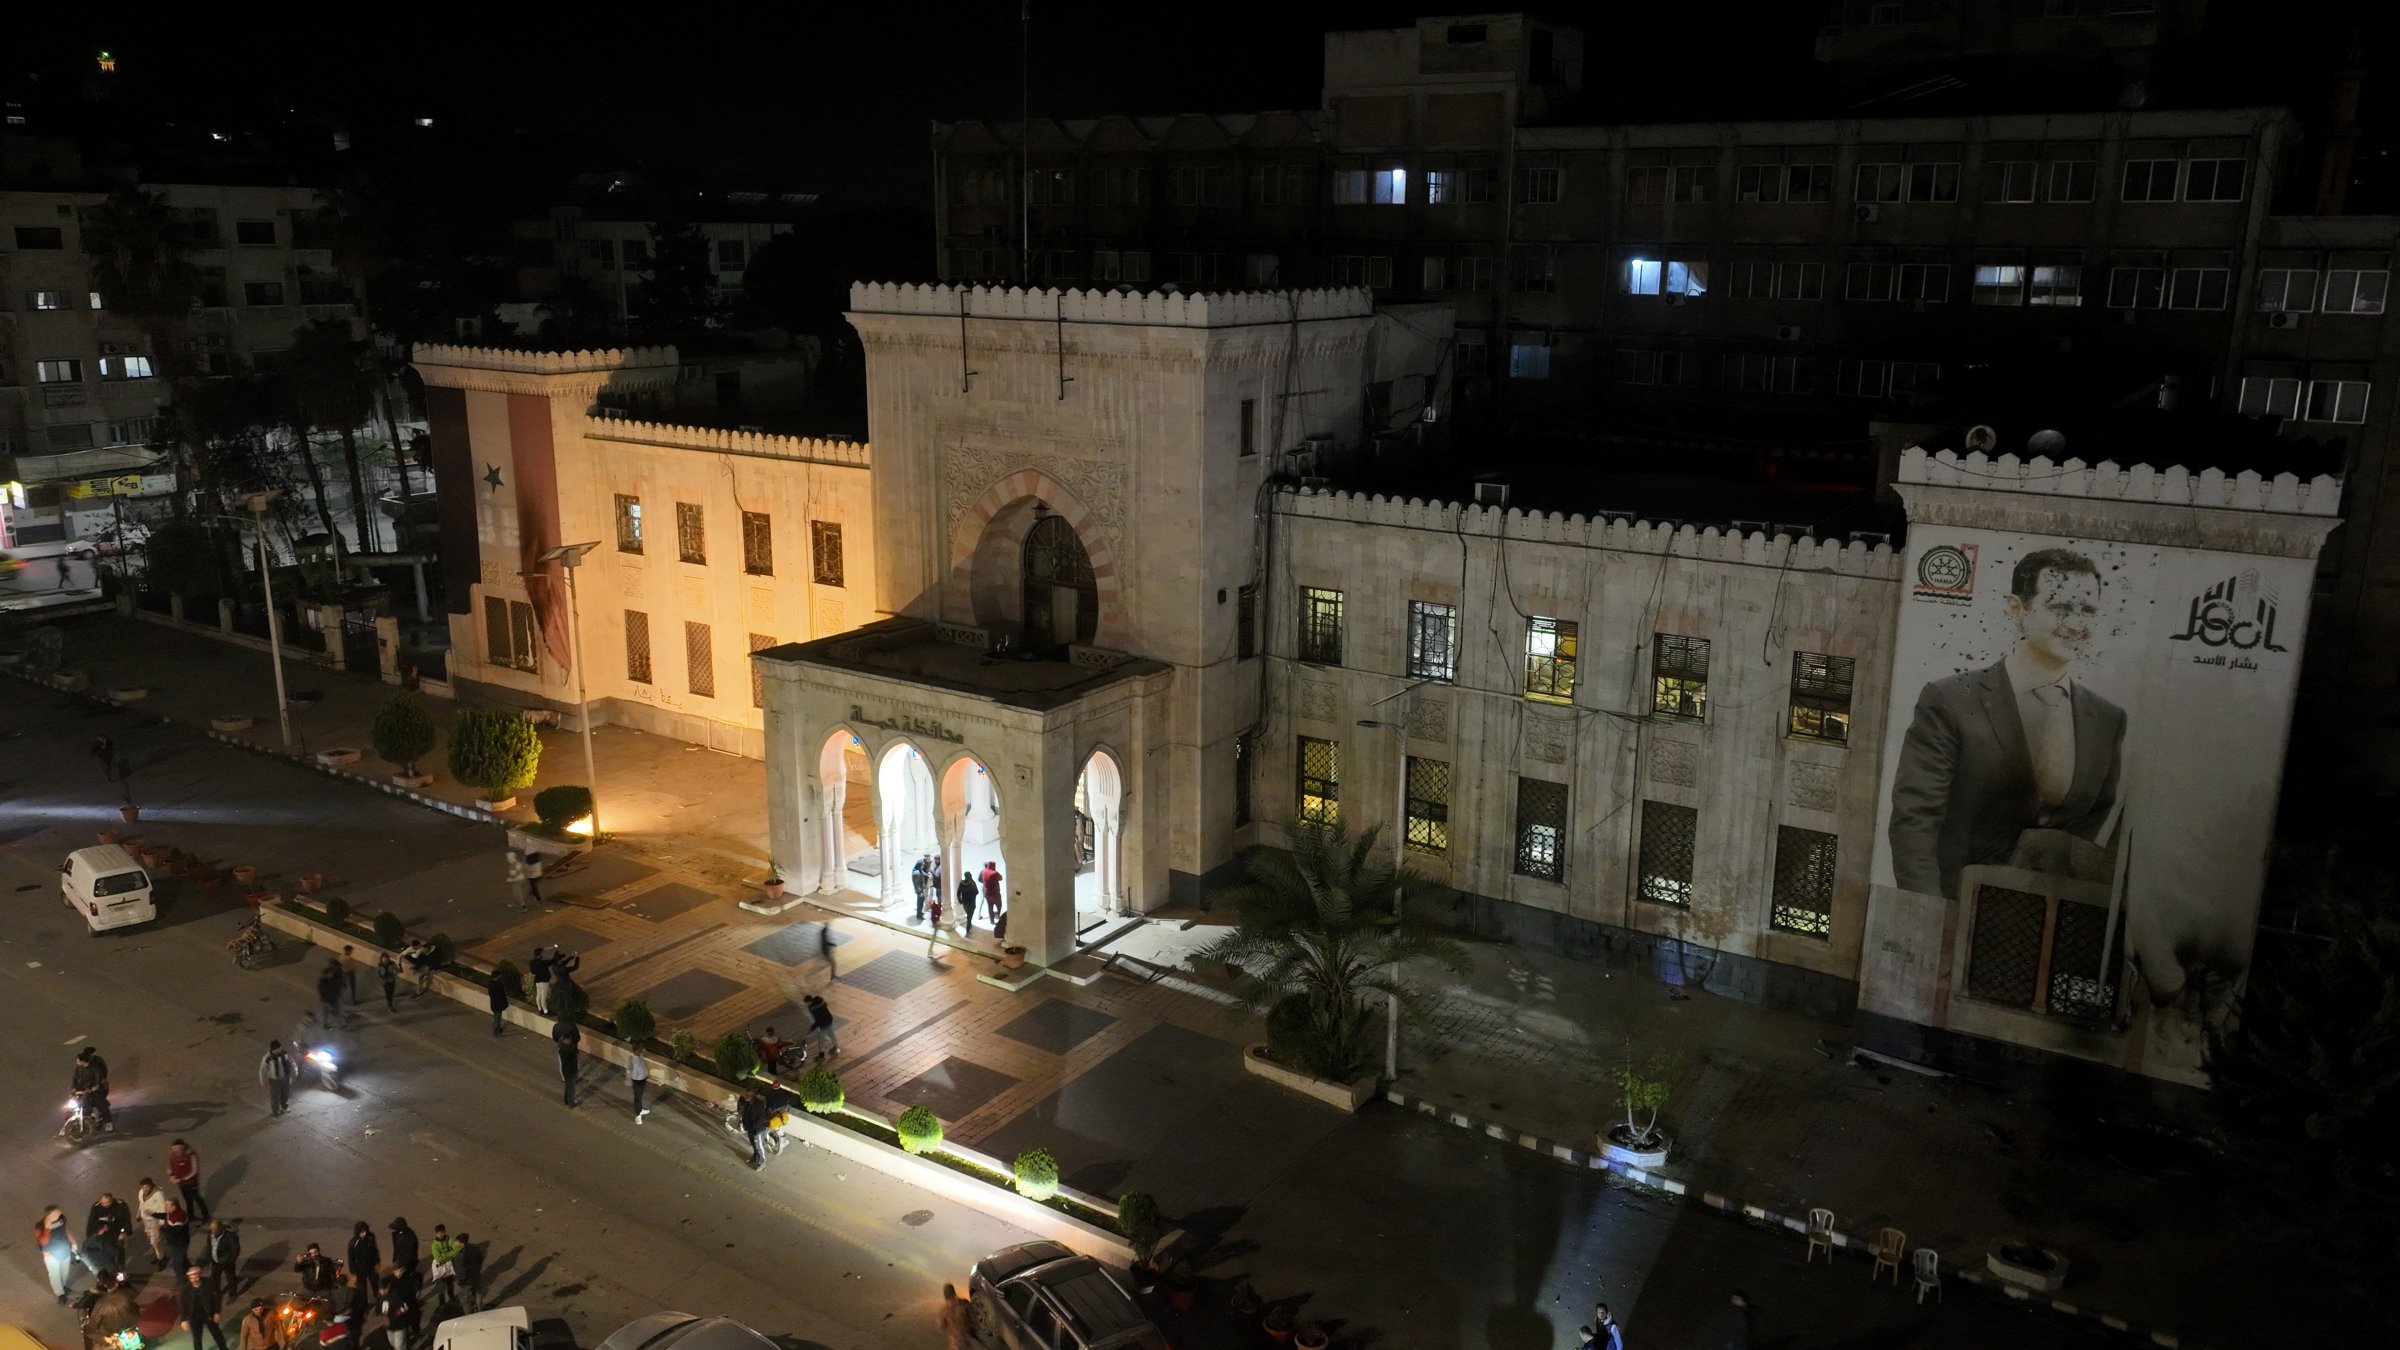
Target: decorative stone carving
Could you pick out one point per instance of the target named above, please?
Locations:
(968, 470)
(1429, 719)
(489, 572)
(1316, 700)
(1546, 738)
(1675, 762)
(1814, 787)
(827, 616)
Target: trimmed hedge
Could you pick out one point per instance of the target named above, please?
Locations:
(634, 1021)
(1037, 1174)
(561, 806)
(736, 1055)
(389, 931)
(821, 1091)
(919, 1129)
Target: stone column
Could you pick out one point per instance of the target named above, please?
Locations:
(387, 648)
(224, 616)
(175, 605)
(833, 834)
(329, 627)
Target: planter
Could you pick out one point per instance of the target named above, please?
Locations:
(1314, 1338)
(2027, 1265)
(1620, 1147)
(312, 882)
(73, 681)
(111, 836)
(130, 693)
(1247, 1306)
(245, 873)
(1347, 1096)
(496, 805)
(338, 757)
(152, 858)
(131, 813)
(774, 890)
(1012, 957)
(1280, 1325)
(259, 899)
(231, 722)
(412, 781)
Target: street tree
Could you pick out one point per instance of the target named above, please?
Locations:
(329, 378)
(142, 267)
(677, 301)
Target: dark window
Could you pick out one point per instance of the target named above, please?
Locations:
(1319, 785)
(1320, 626)
(1249, 427)
(1679, 676)
(825, 552)
(1061, 591)
(1432, 640)
(1241, 779)
(629, 524)
(41, 236)
(637, 646)
(758, 674)
(1429, 806)
(1463, 33)
(1245, 620)
(495, 632)
(262, 293)
(699, 660)
(758, 544)
(691, 533)
(1803, 882)
(1821, 696)
(1541, 828)
(1668, 832)
(254, 233)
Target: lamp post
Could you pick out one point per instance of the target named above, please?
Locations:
(570, 556)
(1399, 730)
(258, 503)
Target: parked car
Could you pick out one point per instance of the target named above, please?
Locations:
(491, 1329)
(106, 888)
(1040, 1296)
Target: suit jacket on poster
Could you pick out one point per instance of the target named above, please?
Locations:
(1963, 789)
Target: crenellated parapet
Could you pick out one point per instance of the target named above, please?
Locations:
(2173, 485)
(2248, 512)
(543, 363)
(1167, 309)
(725, 440)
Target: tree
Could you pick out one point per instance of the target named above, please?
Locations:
(788, 286)
(493, 749)
(329, 386)
(142, 270)
(357, 218)
(1316, 926)
(677, 301)
(576, 315)
(736, 1055)
(404, 732)
(1644, 1085)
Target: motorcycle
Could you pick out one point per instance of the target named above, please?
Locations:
(776, 1122)
(250, 942)
(328, 1066)
(83, 1122)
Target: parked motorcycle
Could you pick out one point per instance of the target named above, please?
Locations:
(250, 943)
(327, 1064)
(83, 1122)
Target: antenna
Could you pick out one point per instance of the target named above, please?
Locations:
(1025, 143)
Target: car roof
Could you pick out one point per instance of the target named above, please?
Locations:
(105, 859)
(685, 1331)
(1098, 1307)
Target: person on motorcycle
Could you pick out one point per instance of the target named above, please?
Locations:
(90, 1085)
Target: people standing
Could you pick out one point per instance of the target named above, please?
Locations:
(442, 1276)
(956, 1320)
(56, 1238)
(563, 965)
(175, 1237)
(183, 1168)
(637, 1077)
(329, 994)
(365, 1258)
(400, 1301)
(105, 750)
(223, 1252)
(404, 1245)
(495, 991)
(933, 918)
(753, 1112)
(275, 1073)
(820, 1023)
(1000, 925)
(919, 881)
(200, 1307)
(1606, 1334)
(387, 970)
(350, 972)
(1741, 1324)
(539, 968)
(104, 1231)
(569, 1041)
(317, 1271)
(991, 893)
(258, 1332)
(967, 893)
(150, 1210)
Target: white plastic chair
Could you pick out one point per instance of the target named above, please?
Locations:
(1929, 1274)
(1820, 1234)
(1891, 1249)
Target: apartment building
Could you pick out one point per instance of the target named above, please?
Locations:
(604, 237)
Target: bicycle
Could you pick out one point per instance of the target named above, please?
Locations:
(250, 944)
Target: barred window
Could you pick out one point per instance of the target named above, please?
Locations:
(1821, 696)
(1432, 640)
(1320, 626)
(1320, 787)
(758, 544)
(629, 524)
(1241, 779)
(699, 660)
(1668, 832)
(525, 636)
(759, 642)
(691, 535)
(1550, 660)
(1679, 676)
(1245, 623)
(1803, 882)
(1541, 828)
(1429, 806)
(825, 552)
(637, 646)
(496, 650)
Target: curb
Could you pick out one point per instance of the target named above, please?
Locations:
(1711, 1200)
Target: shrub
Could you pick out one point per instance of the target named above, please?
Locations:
(568, 1001)
(444, 950)
(634, 1021)
(336, 909)
(1288, 1030)
(511, 978)
(682, 1046)
(919, 1129)
(389, 931)
(563, 805)
(403, 731)
(736, 1055)
(821, 1091)
(493, 749)
(1037, 1174)
(1138, 1220)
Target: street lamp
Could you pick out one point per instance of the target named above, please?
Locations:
(258, 503)
(1399, 730)
(570, 556)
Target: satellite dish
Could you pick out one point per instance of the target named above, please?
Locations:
(1982, 438)
(2134, 95)
(2046, 443)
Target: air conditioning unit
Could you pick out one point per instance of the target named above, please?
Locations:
(1301, 462)
(1490, 493)
(1751, 526)
(1796, 531)
(1319, 446)
(1787, 332)
(2283, 319)
(1866, 213)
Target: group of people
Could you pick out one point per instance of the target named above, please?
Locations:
(925, 879)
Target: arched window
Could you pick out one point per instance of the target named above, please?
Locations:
(1062, 600)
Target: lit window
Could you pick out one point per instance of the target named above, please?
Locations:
(1644, 276)
(1432, 640)
(47, 300)
(1687, 278)
(1541, 829)
(1320, 626)
(629, 524)
(1999, 284)
(758, 544)
(58, 372)
(1804, 861)
(691, 534)
(1679, 676)
(1550, 660)
(2057, 286)
(1319, 784)
(1529, 359)
(825, 552)
(1821, 696)
(1668, 835)
(125, 368)
(1428, 806)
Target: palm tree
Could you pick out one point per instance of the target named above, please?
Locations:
(357, 218)
(137, 243)
(1317, 940)
(331, 389)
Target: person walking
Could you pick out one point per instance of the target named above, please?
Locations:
(539, 968)
(329, 994)
(258, 1330)
(1741, 1324)
(569, 1041)
(387, 970)
(56, 1239)
(991, 893)
(365, 1258)
(104, 1232)
(470, 1271)
(825, 949)
(637, 1077)
(955, 1320)
(967, 892)
(350, 972)
(200, 1307)
(495, 991)
(753, 1111)
(183, 1168)
(441, 1278)
(533, 874)
(150, 1210)
(275, 1073)
(175, 1236)
(222, 1249)
(933, 920)
(820, 1023)
(105, 750)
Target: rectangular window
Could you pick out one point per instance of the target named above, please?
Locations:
(1263, 270)
(1429, 806)
(2213, 180)
(1550, 648)
(1241, 779)
(1533, 267)
(1483, 186)
(1435, 274)
(125, 368)
(1320, 626)
(58, 372)
(525, 637)
(2070, 180)
(2151, 180)
(1319, 782)
(1245, 623)
(496, 646)
(825, 552)
(733, 255)
(2270, 396)
(759, 642)
(2356, 292)
(1432, 640)
(1803, 882)
(254, 233)
(1541, 829)
(699, 660)
(1538, 187)
(2284, 290)
(637, 646)
(1923, 283)
(46, 300)
(1877, 183)
(1751, 281)
(629, 524)
(1999, 284)
(1861, 379)
(2336, 401)
(1679, 676)
(1249, 427)
(1909, 377)
(1687, 278)
(1808, 183)
(1758, 183)
(1874, 282)
(2137, 287)
(2056, 285)
(1792, 375)
(1635, 366)
(41, 236)
(1688, 182)
(691, 534)
(1668, 835)
(1933, 182)
(1441, 187)
(1821, 696)
(1646, 183)
(758, 544)
(262, 293)
(2011, 180)
(2199, 288)
(1799, 281)
(1529, 359)
(1474, 272)
(1643, 276)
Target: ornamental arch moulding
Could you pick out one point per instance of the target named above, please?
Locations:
(988, 538)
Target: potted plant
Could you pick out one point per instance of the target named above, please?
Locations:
(1037, 1174)
(495, 751)
(774, 881)
(312, 882)
(131, 812)
(821, 1092)
(111, 835)
(1012, 956)
(634, 1021)
(1644, 1087)
(1247, 1306)
(1312, 1337)
(1281, 1321)
(736, 1055)
(1138, 1219)
(1182, 1286)
(245, 873)
(404, 734)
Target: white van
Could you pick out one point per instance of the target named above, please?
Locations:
(106, 887)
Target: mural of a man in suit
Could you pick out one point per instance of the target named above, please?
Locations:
(2018, 745)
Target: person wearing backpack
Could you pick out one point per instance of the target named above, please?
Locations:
(275, 1073)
